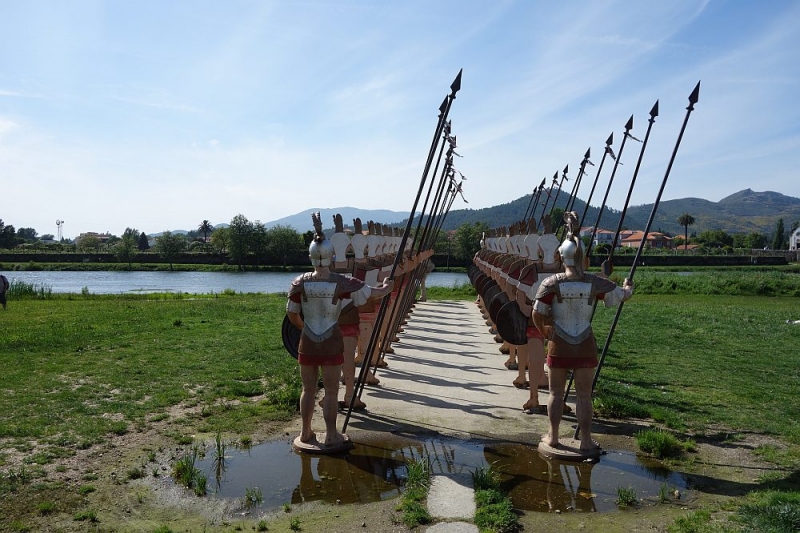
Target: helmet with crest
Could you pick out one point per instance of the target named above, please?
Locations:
(321, 250)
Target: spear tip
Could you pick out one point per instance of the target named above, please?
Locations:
(566, 169)
(443, 107)
(695, 94)
(629, 124)
(654, 111)
(610, 139)
(456, 85)
(588, 153)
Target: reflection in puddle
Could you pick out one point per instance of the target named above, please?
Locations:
(375, 469)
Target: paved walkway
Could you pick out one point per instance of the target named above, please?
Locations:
(447, 376)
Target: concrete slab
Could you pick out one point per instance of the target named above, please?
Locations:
(453, 527)
(452, 497)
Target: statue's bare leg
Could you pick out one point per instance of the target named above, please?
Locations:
(535, 354)
(555, 404)
(522, 362)
(330, 404)
(349, 371)
(309, 376)
(583, 406)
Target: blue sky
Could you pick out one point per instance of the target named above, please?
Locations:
(159, 115)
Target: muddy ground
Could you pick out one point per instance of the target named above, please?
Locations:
(722, 469)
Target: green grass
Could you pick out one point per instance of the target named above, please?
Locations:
(72, 361)
(415, 492)
(660, 444)
(493, 509)
(701, 361)
(771, 510)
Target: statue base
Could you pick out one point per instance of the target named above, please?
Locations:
(569, 450)
(318, 445)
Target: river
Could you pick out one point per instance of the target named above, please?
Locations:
(106, 282)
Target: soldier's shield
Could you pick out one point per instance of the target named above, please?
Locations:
(512, 324)
(291, 336)
(498, 301)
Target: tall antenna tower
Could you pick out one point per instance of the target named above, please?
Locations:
(60, 223)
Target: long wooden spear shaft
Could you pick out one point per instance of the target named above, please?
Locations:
(693, 98)
(530, 203)
(575, 187)
(536, 202)
(561, 186)
(547, 200)
(577, 184)
(444, 110)
(378, 343)
(617, 160)
(651, 121)
(402, 301)
(607, 151)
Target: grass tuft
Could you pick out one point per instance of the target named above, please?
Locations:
(659, 443)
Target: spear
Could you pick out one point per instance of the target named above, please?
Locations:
(651, 121)
(444, 110)
(607, 264)
(617, 160)
(577, 184)
(607, 151)
(547, 200)
(693, 98)
(531, 202)
(560, 186)
(535, 202)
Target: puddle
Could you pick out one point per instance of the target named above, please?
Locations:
(375, 470)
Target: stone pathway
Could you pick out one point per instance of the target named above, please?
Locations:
(447, 376)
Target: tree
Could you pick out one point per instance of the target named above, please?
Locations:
(89, 243)
(468, 239)
(8, 235)
(219, 240)
(259, 242)
(26, 234)
(205, 228)
(715, 239)
(779, 241)
(284, 243)
(240, 232)
(144, 243)
(169, 245)
(127, 246)
(686, 220)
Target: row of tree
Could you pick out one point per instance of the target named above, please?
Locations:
(753, 240)
(248, 242)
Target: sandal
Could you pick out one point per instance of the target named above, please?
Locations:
(511, 366)
(523, 385)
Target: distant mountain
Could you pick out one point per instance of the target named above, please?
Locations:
(302, 221)
(746, 211)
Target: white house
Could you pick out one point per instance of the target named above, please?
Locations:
(794, 240)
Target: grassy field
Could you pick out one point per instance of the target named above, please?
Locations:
(81, 369)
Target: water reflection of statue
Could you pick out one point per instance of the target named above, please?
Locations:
(569, 486)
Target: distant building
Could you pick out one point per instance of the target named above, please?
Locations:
(102, 237)
(654, 240)
(604, 236)
(794, 240)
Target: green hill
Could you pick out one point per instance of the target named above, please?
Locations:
(746, 211)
